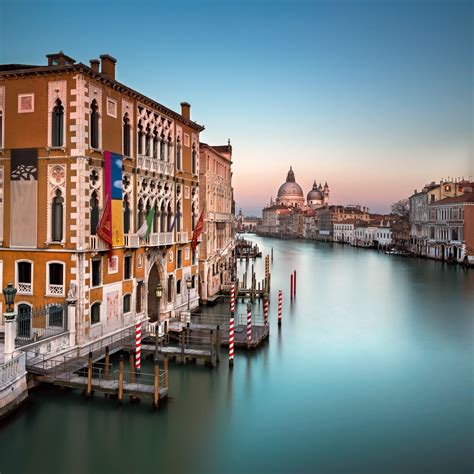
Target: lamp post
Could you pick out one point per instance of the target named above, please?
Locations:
(159, 294)
(189, 285)
(9, 293)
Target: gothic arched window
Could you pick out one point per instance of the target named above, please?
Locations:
(162, 148)
(140, 138)
(94, 212)
(194, 164)
(155, 219)
(162, 217)
(57, 124)
(178, 154)
(155, 144)
(148, 141)
(170, 217)
(178, 217)
(140, 214)
(193, 218)
(126, 215)
(57, 213)
(94, 125)
(126, 135)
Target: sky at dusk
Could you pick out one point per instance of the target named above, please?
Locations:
(374, 97)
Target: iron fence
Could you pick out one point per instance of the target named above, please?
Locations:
(34, 324)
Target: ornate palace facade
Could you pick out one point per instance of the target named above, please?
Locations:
(217, 247)
(85, 162)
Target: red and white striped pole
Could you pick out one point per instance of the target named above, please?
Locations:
(232, 299)
(291, 285)
(249, 323)
(280, 303)
(294, 282)
(265, 310)
(231, 340)
(231, 325)
(138, 344)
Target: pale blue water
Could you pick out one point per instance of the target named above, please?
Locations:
(372, 372)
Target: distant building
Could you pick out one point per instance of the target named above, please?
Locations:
(247, 223)
(419, 205)
(217, 247)
(450, 227)
(291, 215)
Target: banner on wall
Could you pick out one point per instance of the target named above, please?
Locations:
(111, 224)
(23, 197)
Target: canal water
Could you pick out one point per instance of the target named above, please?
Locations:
(371, 372)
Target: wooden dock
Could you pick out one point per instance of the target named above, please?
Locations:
(189, 344)
(110, 387)
(260, 331)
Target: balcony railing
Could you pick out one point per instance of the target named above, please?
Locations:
(182, 237)
(159, 238)
(25, 288)
(153, 164)
(131, 241)
(96, 243)
(56, 290)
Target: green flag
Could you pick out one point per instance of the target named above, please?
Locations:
(144, 231)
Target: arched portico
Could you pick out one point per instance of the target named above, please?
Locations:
(154, 278)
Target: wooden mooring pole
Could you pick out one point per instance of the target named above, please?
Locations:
(291, 286)
(120, 387)
(165, 366)
(156, 394)
(107, 362)
(132, 367)
(89, 376)
(294, 283)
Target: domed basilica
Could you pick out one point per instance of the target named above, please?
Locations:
(291, 194)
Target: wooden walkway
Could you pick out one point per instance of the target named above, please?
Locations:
(110, 387)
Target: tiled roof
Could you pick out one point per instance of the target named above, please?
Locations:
(468, 197)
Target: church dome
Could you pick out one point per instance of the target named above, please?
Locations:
(290, 188)
(314, 194)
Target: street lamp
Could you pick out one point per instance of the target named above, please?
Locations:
(9, 293)
(159, 294)
(189, 285)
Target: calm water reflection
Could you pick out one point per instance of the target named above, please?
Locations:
(371, 372)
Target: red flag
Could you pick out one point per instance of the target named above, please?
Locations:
(104, 229)
(197, 231)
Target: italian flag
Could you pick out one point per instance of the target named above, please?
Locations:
(144, 231)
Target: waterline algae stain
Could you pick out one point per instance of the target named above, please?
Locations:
(371, 372)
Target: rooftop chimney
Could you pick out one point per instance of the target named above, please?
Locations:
(186, 110)
(108, 66)
(95, 65)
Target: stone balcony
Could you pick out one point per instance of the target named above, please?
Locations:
(131, 241)
(181, 237)
(155, 165)
(159, 238)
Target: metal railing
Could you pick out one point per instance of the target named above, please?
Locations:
(257, 320)
(210, 319)
(140, 378)
(11, 369)
(39, 323)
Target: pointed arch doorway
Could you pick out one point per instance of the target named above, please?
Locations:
(153, 280)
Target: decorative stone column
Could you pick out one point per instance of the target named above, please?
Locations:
(10, 334)
(71, 314)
